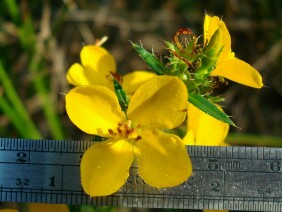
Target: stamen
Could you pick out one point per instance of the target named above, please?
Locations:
(127, 130)
(119, 130)
(111, 132)
(124, 130)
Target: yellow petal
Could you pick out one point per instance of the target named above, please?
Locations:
(210, 26)
(162, 158)
(207, 130)
(226, 44)
(240, 72)
(105, 166)
(94, 109)
(189, 138)
(35, 207)
(98, 63)
(160, 101)
(76, 75)
(132, 81)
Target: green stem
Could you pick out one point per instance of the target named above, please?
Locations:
(17, 104)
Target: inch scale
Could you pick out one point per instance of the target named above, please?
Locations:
(230, 178)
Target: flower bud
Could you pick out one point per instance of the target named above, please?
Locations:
(214, 46)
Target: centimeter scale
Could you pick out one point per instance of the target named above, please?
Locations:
(232, 178)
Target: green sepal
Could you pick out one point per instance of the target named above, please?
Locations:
(208, 107)
(121, 95)
(170, 46)
(215, 44)
(151, 60)
(210, 55)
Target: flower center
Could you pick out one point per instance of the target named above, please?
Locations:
(125, 130)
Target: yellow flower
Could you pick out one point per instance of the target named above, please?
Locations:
(203, 129)
(228, 65)
(96, 68)
(159, 103)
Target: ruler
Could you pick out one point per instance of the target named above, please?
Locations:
(231, 178)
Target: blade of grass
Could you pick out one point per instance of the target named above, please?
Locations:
(17, 104)
(34, 44)
(48, 106)
(43, 92)
(14, 118)
(13, 9)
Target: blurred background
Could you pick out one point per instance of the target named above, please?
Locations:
(40, 40)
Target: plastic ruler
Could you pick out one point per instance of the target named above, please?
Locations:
(232, 178)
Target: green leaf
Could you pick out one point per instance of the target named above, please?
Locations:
(121, 95)
(151, 60)
(208, 107)
(13, 9)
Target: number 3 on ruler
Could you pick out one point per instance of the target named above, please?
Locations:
(24, 182)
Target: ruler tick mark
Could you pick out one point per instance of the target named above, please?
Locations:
(241, 167)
